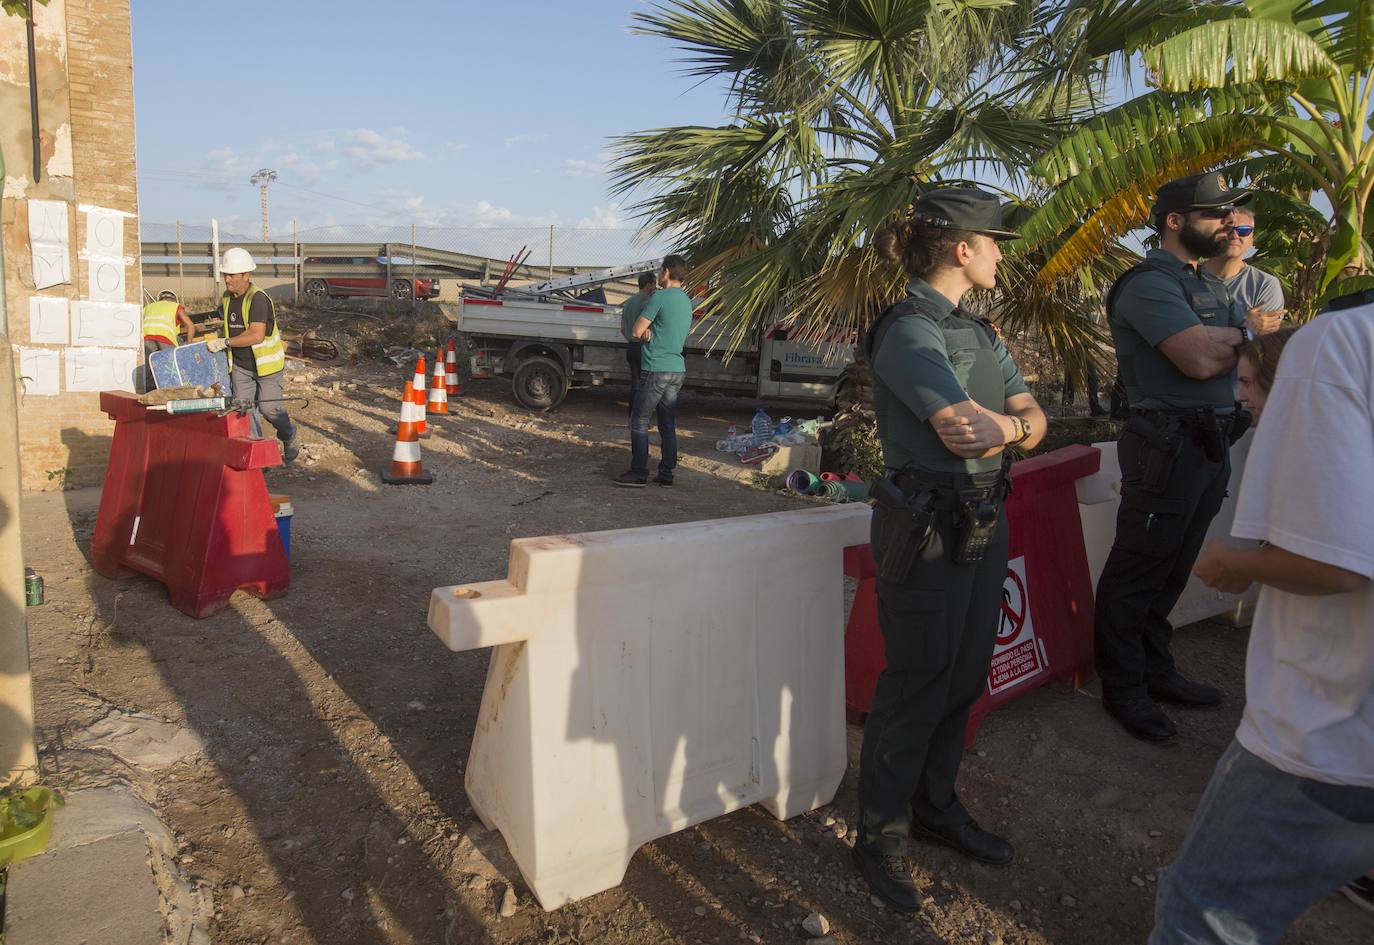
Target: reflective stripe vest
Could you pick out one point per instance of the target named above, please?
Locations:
(269, 353)
(160, 320)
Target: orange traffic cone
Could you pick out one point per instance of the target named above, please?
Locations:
(438, 390)
(418, 392)
(451, 371)
(406, 467)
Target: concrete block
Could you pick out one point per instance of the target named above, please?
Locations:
(101, 891)
(1099, 496)
(649, 679)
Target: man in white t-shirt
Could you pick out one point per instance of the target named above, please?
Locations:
(1289, 814)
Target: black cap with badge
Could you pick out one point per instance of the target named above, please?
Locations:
(1198, 192)
(962, 208)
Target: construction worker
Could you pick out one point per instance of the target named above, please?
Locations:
(160, 321)
(256, 354)
(949, 400)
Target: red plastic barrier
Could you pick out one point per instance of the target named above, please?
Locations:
(185, 502)
(1045, 628)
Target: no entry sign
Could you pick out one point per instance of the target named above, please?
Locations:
(1017, 655)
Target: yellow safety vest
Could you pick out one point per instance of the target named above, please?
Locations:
(269, 353)
(160, 319)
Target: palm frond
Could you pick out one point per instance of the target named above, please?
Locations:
(1238, 51)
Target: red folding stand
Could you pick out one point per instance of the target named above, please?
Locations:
(185, 502)
(1045, 625)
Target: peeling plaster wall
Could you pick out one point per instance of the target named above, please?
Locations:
(84, 60)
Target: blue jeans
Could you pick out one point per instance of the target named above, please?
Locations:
(655, 393)
(1264, 845)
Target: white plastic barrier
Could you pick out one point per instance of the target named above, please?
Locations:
(649, 679)
(1100, 495)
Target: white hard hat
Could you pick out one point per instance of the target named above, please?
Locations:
(237, 260)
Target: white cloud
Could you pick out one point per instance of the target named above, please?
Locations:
(514, 140)
(576, 168)
(604, 218)
(299, 170)
(369, 147)
(486, 213)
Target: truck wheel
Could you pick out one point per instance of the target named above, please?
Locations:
(316, 290)
(540, 383)
(401, 289)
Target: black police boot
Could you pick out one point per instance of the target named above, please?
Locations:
(890, 879)
(969, 839)
(1140, 717)
(1177, 689)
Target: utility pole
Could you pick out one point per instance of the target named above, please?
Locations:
(262, 178)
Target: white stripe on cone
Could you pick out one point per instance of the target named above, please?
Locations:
(406, 451)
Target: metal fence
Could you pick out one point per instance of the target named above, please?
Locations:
(550, 248)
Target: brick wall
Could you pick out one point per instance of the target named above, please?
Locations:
(86, 112)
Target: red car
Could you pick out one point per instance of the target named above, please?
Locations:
(336, 277)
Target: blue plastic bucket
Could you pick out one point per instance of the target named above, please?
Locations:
(282, 511)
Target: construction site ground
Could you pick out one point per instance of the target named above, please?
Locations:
(324, 801)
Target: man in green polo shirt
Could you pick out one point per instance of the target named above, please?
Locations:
(662, 327)
(1176, 332)
(629, 314)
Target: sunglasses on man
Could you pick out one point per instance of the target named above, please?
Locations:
(1243, 230)
(1213, 213)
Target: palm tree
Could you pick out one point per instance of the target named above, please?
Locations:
(844, 112)
(1276, 90)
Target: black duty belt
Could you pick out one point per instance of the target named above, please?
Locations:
(1206, 417)
(946, 487)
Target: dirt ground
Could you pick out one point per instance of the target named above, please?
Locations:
(328, 807)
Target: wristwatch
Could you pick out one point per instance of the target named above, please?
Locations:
(1024, 428)
(1246, 335)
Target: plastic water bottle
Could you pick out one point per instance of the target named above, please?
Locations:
(784, 428)
(731, 441)
(762, 426)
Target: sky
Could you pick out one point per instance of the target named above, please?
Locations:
(452, 114)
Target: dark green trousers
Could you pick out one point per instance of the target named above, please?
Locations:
(938, 629)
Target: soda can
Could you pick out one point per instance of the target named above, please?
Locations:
(33, 588)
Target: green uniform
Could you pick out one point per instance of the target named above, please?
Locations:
(939, 623)
(669, 312)
(928, 360)
(1154, 302)
(629, 314)
(1175, 467)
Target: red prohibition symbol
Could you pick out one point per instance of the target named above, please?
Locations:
(1011, 620)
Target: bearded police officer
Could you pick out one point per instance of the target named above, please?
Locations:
(948, 401)
(1176, 332)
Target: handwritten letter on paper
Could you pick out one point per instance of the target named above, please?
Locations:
(49, 243)
(105, 255)
(40, 371)
(47, 320)
(97, 369)
(106, 323)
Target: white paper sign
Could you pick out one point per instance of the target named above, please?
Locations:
(104, 255)
(40, 371)
(106, 323)
(48, 320)
(105, 278)
(49, 243)
(104, 233)
(97, 369)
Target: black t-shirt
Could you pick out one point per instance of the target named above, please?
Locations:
(259, 311)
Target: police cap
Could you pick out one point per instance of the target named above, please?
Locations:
(1198, 192)
(962, 208)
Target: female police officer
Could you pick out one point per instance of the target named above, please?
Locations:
(948, 400)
